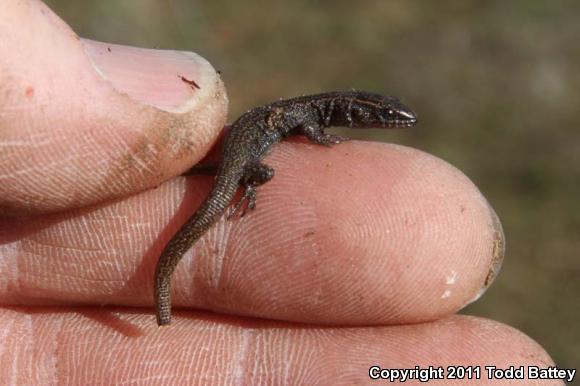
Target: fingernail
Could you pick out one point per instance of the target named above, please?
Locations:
(497, 253)
(168, 80)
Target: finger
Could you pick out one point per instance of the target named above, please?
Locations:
(124, 347)
(363, 233)
(84, 121)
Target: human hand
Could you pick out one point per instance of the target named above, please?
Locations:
(358, 243)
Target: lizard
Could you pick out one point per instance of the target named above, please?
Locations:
(249, 139)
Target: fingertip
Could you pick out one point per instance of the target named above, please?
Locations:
(409, 237)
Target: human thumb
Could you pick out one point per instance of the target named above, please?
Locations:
(84, 121)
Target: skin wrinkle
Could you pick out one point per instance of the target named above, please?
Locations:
(271, 299)
(358, 229)
(9, 269)
(294, 356)
(30, 249)
(144, 160)
(183, 144)
(13, 373)
(251, 239)
(136, 162)
(466, 215)
(260, 366)
(222, 294)
(356, 232)
(214, 252)
(210, 254)
(27, 347)
(279, 351)
(239, 363)
(61, 248)
(17, 105)
(235, 277)
(24, 172)
(88, 226)
(187, 286)
(24, 143)
(247, 237)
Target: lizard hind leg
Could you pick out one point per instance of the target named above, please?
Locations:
(255, 174)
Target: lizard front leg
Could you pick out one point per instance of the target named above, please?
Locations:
(317, 135)
(255, 174)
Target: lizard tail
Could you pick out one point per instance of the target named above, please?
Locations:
(212, 208)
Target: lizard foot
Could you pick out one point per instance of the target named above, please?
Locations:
(255, 174)
(249, 197)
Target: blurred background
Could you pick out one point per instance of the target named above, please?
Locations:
(496, 85)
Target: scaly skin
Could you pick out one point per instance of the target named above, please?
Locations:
(247, 142)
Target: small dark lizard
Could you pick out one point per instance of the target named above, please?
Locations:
(248, 141)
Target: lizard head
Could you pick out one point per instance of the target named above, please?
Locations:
(380, 111)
